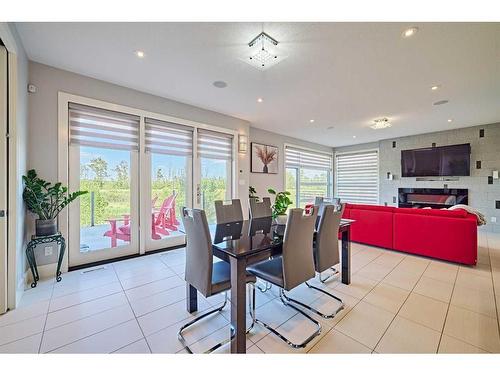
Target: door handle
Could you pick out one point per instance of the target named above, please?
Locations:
(198, 194)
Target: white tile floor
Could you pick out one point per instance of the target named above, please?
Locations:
(397, 303)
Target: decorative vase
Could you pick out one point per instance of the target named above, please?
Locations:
(281, 219)
(265, 169)
(45, 227)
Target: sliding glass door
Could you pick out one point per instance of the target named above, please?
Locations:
(103, 155)
(215, 165)
(139, 172)
(169, 161)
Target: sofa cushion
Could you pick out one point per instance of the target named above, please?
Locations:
(432, 212)
(369, 207)
(372, 227)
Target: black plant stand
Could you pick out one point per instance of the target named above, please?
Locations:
(30, 254)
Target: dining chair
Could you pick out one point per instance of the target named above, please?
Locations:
(228, 211)
(202, 273)
(326, 254)
(294, 267)
(259, 209)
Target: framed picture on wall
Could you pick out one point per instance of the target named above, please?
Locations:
(264, 159)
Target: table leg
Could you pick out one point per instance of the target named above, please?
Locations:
(346, 257)
(238, 304)
(191, 298)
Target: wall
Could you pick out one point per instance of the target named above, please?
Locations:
(262, 182)
(18, 123)
(43, 112)
(482, 196)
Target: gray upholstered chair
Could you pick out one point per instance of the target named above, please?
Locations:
(226, 212)
(202, 273)
(326, 253)
(260, 209)
(294, 267)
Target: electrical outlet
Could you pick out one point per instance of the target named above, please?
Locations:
(48, 251)
(493, 219)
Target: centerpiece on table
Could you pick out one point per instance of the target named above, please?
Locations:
(46, 201)
(281, 203)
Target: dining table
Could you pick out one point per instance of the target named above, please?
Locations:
(246, 242)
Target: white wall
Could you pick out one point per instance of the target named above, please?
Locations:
(18, 159)
(261, 181)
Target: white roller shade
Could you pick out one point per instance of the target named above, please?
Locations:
(300, 158)
(214, 145)
(357, 177)
(168, 138)
(95, 127)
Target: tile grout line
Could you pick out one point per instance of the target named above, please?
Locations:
(493, 282)
(406, 299)
(447, 310)
(46, 318)
(133, 312)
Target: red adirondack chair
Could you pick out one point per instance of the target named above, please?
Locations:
(165, 219)
(122, 232)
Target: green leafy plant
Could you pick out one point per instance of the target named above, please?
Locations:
(43, 198)
(252, 193)
(281, 202)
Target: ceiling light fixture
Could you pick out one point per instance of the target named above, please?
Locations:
(381, 123)
(263, 52)
(435, 87)
(140, 54)
(220, 84)
(311, 120)
(260, 100)
(354, 136)
(410, 32)
(450, 120)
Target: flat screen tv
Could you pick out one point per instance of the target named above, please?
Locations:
(436, 161)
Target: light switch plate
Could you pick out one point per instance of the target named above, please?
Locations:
(493, 219)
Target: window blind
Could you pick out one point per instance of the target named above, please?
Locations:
(95, 127)
(299, 158)
(357, 177)
(168, 138)
(214, 145)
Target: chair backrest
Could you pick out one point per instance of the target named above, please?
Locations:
(199, 257)
(167, 204)
(327, 243)
(228, 212)
(298, 259)
(260, 209)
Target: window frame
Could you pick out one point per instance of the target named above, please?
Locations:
(337, 153)
(330, 187)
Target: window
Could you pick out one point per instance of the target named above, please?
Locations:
(308, 174)
(357, 177)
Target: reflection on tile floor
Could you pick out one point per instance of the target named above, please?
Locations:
(397, 303)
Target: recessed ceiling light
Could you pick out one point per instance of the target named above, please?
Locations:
(311, 121)
(440, 102)
(435, 87)
(450, 120)
(381, 123)
(139, 54)
(220, 84)
(260, 100)
(410, 32)
(354, 136)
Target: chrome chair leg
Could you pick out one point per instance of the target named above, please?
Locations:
(266, 286)
(251, 305)
(302, 344)
(335, 272)
(198, 318)
(323, 315)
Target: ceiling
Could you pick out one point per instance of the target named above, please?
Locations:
(342, 75)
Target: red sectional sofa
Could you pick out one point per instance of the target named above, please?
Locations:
(441, 234)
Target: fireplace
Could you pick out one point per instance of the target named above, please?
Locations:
(435, 198)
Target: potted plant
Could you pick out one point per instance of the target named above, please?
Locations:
(281, 203)
(46, 200)
(252, 193)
